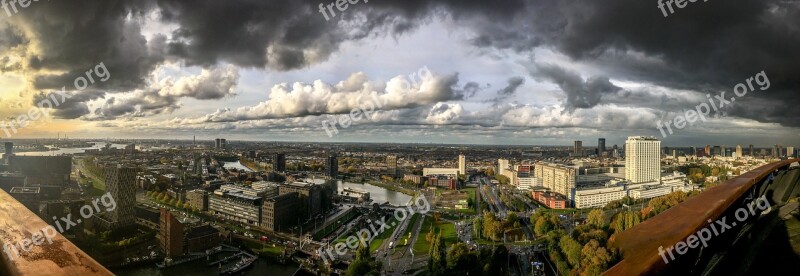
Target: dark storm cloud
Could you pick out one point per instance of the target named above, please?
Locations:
(580, 93)
(72, 107)
(513, 84)
(74, 36)
(706, 46)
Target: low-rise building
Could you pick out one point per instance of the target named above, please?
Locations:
(599, 197)
(236, 206)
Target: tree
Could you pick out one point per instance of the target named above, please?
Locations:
(596, 258)
(502, 179)
(477, 226)
(459, 257)
(572, 249)
(596, 218)
(438, 256)
(542, 226)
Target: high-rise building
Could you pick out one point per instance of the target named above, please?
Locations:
(775, 151)
(752, 151)
(717, 151)
(790, 151)
(739, 151)
(391, 165)
(279, 163)
(502, 166)
(642, 159)
(601, 146)
(693, 151)
(332, 166)
(558, 178)
(9, 150)
(462, 164)
(578, 149)
(120, 182)
(220, 143)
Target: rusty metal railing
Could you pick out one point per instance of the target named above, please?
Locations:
(60, 257)
(639, 245)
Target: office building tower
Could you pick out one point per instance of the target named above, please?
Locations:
(120, 183)
(642, 159)
(776, 151)
(601, 146)
(217, 143)
(462, 164)
(332, 166)
(790, 151)
(717, 151)
(391, 165)
(279, 163)
(578, 149)
(693, 151)
(752, 151)
(739, 151)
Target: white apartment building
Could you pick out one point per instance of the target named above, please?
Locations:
(649, 191)
(642, 159)
(462, 164)
(527, 183)
(451, 172)
(502, 166)
(599, 197)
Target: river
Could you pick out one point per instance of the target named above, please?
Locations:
(97, 145)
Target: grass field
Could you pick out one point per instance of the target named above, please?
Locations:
(449, 235)
(382, 237)
(409, 228)
(421, 246)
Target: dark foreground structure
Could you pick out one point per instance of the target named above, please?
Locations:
(765, 243)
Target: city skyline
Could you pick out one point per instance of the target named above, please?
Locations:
(474, 74)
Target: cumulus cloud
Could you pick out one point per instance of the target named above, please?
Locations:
(303, 99)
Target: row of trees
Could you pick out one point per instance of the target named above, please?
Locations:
(492, 228)
(164, 198)
(585, 251)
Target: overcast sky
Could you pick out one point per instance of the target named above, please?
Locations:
(493, 72)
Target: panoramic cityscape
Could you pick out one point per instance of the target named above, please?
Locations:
(348, 137)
